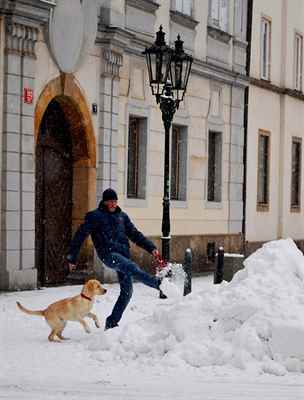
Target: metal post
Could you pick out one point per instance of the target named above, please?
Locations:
(188, 271)
(219, 272)
(168, 108)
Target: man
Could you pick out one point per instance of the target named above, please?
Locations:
(111, 229)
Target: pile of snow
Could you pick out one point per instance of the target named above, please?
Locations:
(254, 323)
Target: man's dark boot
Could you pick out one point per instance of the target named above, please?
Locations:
(109, 325)
(162, 295)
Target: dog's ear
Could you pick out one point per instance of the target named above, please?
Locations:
(89, 285)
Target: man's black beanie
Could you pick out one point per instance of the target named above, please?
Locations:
(109, 194)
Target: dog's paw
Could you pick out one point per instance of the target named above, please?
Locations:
(97, 324)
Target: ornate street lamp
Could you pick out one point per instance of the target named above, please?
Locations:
(158, 58)
(180, 67)
(169, 71)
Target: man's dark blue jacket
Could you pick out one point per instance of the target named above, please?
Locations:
(110, 232)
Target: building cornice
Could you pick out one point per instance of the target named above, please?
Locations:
(117, 37)
(203, 69)
(26, 12)
(144, 5)
(277, 89)
(183, 19)
(219, 74)
(132, 45)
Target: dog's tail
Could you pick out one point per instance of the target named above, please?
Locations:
(25, 310)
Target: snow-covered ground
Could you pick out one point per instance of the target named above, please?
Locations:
(242, 340)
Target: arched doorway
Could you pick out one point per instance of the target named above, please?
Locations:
(54, 184)
(65, 177)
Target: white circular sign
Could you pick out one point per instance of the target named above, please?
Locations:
(72, 31)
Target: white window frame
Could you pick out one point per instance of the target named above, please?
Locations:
(217, 165)
(183, 6)
(239, 18)
(265, 48)
(219, 14)
(182, 155)
(298, 62)
(141, 177)
(296, 206)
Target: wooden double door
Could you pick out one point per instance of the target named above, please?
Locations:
(53, 203)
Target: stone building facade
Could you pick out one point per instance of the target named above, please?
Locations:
(77, 116)
(274, 201)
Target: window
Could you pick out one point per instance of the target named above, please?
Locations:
(179, 163)
(218, 11)
(265, 48)
(298, 61)
(239, 18)
(215, 167)
(182, 6)
(296, 162)
(137, 150)
(263, 171)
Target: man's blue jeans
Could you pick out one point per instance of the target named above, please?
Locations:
(126, 271)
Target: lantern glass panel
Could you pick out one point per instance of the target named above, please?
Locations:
(179, 73)
(158, 65)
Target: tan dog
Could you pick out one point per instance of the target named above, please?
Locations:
(70, 309)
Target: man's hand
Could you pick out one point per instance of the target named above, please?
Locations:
(155, 253)
(72, 267)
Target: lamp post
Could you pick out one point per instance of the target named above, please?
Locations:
(169, 71)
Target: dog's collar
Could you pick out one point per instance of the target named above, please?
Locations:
(85, 297)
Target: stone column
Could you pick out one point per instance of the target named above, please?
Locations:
(18, 176)
(111, 61)
(109, 120)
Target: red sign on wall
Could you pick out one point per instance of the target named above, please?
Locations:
(28, 95)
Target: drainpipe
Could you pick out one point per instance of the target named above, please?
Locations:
(246, 100)
(282, 138)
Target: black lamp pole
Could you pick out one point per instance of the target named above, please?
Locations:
(168, 108)
(169, 71)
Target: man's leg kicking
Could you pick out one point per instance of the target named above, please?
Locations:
(126, 266)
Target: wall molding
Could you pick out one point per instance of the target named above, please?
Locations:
(277, 89)
(183, 19)
(144, 5)
(21, 39)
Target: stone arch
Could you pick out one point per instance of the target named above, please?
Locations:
(65, 86)
(65, 90)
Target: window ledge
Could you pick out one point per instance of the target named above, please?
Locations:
(218, 34)
(263, 207)
(183, 19)
(213, 204)
(135, 202)
(145, 5)
(239, 42)
(295, 209)
(266, 80)
(179, 204)
(295, 92)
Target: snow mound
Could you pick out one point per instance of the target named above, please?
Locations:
(254, 323)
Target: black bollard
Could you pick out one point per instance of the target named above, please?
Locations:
(219, 271)
(188, 271)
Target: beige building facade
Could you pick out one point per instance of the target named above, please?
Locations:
(274, 184)
(77, 116)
